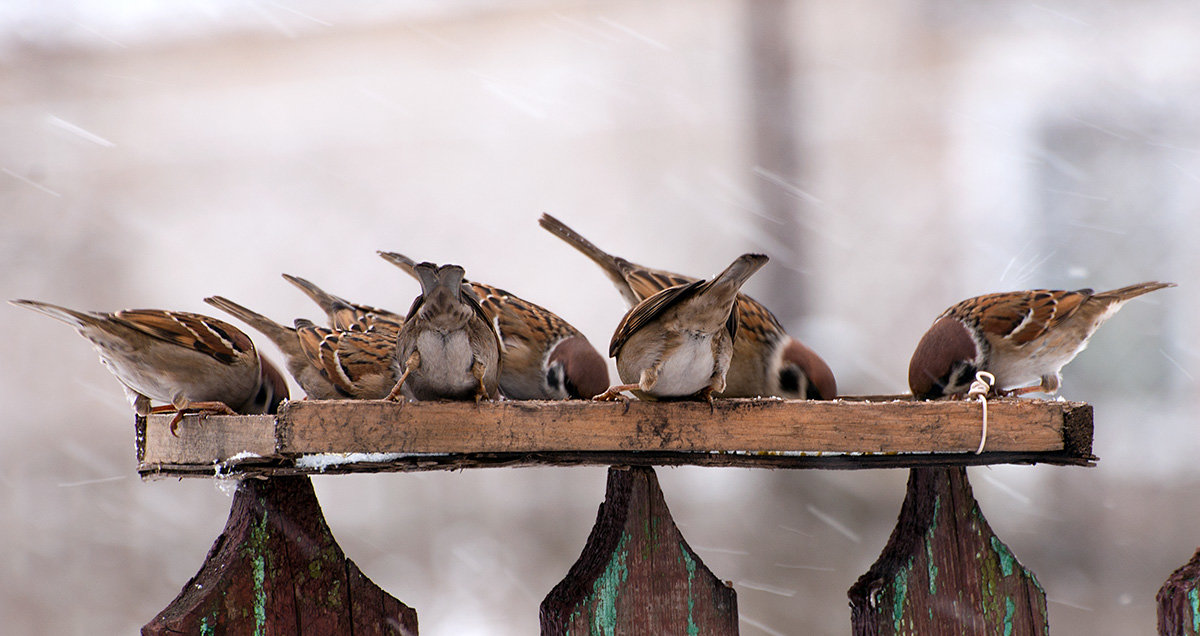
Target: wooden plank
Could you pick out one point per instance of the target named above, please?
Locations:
(375, 426)
(637, 574)
(1179, 601)
(208, 440)
(943, 571)
(276, 569)
(766, 433)
(420, 463)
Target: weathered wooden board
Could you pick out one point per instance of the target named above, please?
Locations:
(1179, 601)
(943, 571)
(277, 570)
(637, 575)
(769, 433)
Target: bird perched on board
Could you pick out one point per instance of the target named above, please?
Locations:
(543, 356)
(1023, 338)
(678, 342)
(194, 363)
(448, 348)
(345, 315)
(328, 363)
(766, 360)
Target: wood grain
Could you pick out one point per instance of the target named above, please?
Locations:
(943, 571)
(772, 433)
(637, 575)
(276, 569)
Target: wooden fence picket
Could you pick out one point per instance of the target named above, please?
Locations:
(1179, 601)
(637, 574)
(276, 569)
(943, 571)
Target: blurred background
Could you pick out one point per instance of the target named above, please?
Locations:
(892, 159)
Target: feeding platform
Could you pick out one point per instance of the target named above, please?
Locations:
(276, 568)
(312, 437)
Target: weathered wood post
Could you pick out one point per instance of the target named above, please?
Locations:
(276, 569)
(637, 575)
(943, 571)
(1179, 601)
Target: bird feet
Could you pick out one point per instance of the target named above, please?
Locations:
(200, 408)
(614, 393)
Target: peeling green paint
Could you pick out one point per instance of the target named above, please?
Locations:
(899, 594)
(335, 594)
(605, 591)
(1007, 561)
(256, 548)
(260, 596)
(932, 567)
(1194, 600)
(690, 564)
(205, 628)
(1010, 608)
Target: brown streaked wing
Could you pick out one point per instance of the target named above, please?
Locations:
(468, 296)
(204, 334)
(519, 316)
(756, 321)
(1022, 316)
(649, 309)
(361, 354)
(314, 342)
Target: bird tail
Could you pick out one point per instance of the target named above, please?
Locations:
(77, 319)
(399, 260)
(607, 262)
(1132, 291)
(283, 337)
(328, 303)
(738, 272)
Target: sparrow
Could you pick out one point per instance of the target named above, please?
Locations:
(678, 342)
(345, 315)
(194, 363)
(543, 356)
(448, 348)
(328, 363)
(1023, 338)
(766, 360)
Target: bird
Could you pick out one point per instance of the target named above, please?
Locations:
(543, 356)
(328, 363)
(678, 342)
(448, 348)
(347, 316)
(192, 362)
(766, 360)
(1022, 338)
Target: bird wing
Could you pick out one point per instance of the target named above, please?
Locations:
(210, 336)
(649, 309)
(1023, 316)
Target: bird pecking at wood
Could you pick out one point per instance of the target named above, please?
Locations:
(1022, 338)
(192, 362)
(678, 342)
(766, 360)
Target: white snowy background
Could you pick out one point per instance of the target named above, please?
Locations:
(153, 153)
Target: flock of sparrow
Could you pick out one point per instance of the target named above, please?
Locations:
(682, 338)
